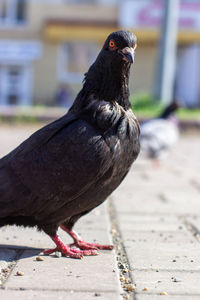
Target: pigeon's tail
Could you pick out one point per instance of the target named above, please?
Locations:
(18, 220)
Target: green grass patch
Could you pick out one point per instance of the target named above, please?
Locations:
(144, 106)
(189, 114)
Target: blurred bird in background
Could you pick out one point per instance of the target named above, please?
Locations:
(160, 134)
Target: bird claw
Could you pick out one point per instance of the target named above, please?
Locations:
(81, 244)
(49, 251)
(71, 252)
(88, 252)
(91, 246)
(68, 252)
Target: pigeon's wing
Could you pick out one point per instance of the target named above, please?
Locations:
(12, 189)
(40, 137)
(52, 166)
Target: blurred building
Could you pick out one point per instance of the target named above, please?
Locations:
(47, 45)
(145, 17)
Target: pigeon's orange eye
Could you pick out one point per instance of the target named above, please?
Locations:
(112, 45)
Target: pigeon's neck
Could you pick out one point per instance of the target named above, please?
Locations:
(105, 84)
(109, 84)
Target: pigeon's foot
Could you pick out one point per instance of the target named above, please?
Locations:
(156, 164)
(67, 250)
(84, 246)
(78, 242)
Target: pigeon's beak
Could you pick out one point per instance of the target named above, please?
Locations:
(128, 54)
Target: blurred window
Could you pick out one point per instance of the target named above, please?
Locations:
(15, 84)
(74, 60)
(12, 12)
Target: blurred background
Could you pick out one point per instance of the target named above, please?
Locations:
(46, 47)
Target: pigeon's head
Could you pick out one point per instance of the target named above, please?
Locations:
(108, 77)
(119, 47)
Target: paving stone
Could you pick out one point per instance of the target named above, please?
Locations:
(19, 237)
(143, 222)
(58, 295)
(93, 273)
(171, 282)
(156, 237)
(167, 297)
(184, 196)
(183, 256)
(153, 201)
(96, 219)
(151, 178)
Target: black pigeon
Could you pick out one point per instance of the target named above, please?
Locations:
(72, 165)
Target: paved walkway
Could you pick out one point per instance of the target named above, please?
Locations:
(153, 219)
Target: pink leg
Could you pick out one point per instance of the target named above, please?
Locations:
(156, 163)
(67, 250)
(78, 242)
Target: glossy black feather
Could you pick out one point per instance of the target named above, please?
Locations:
(72, 165)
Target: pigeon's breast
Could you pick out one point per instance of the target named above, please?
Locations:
(122, 136)
(120, 130)
(118, 127)
(123, 140)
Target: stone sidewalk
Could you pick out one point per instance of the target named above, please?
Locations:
(153, 219)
